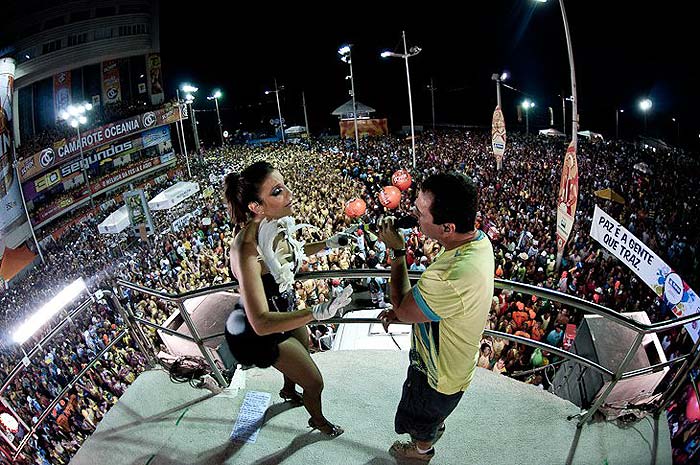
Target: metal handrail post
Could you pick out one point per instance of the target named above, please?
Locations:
(618, 374)
(141, 339)
(202, 348)
(679, 378)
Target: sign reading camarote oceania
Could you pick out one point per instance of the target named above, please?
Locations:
(66, 149)
(648, 266)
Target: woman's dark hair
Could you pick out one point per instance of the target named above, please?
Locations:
(454, 200)
(242, 188)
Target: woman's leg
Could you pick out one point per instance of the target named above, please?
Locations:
(302, 335)
(296, 363)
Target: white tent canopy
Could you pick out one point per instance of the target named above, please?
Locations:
(591, 135)
(295, 130)
(551, 132)
(116, 222)
(173, 195)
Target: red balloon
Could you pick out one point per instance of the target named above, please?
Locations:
(355, 208)
(390, 197)
(401, 179)
(692, 409)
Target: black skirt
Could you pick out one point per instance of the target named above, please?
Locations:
(245, 344)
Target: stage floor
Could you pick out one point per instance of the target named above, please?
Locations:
(499, 421)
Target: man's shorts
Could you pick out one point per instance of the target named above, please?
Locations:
(422, 409)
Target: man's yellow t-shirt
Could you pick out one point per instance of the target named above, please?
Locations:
(455, 294)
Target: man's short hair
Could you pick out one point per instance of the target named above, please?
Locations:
(455, 200)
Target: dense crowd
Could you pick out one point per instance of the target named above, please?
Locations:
(517, 211)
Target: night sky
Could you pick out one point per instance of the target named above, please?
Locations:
(623, 51)
(621, 55)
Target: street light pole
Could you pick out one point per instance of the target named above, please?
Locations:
(563, 112)
(410, 100)
(574, 97)
(617, 122)
(406, 55)
(75, 116)
(345, 53)
(84, 165)
(645, 105)
(678, 130)
(306, 117)
(432, 90)
(526, 106)
(279, 111)
(215, 98)
(182, 128)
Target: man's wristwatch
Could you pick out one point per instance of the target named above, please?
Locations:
(396, 253)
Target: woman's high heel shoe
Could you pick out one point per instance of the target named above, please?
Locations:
(327, 428)
(293, 397)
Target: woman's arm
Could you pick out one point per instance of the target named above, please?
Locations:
(255, 303)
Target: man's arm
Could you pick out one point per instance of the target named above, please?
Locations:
(405, 307)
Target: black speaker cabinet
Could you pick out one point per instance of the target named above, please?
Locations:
(606, 343)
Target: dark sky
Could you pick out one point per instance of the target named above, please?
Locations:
(622, 53)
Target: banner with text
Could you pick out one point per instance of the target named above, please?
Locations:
(61, 93)
(498, 136)
(111, 88)
(58, 206)
(567, 199)
(648, 266)
(67, 149)
(7, 84)
(365, 127)
(10, 200)
(155, 79)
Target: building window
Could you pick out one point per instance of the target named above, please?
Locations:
(105, 33)
(51, 46)
(134, 9)
(77, 39)
(132, 30)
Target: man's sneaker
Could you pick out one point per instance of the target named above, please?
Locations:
(408, 450)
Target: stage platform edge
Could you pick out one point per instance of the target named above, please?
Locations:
(499, 421)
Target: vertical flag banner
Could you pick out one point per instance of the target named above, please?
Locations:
(643, 262)
(111, 88)
(155, 78)
(10, 199)
(139, 213)
(61, 93)
(498, 136)
(7, 84)
(567, 199)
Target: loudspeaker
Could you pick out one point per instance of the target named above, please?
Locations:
(606, 343)
(209, 314)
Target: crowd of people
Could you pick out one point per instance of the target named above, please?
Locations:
(99, 115)
(517, 211)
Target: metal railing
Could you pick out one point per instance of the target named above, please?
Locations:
(145, 344)
(689, 360)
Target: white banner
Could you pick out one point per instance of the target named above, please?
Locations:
(498, 136)
(648, 266)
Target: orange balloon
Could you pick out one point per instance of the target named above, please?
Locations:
(401, 179)
(355, 208)
(390, 197)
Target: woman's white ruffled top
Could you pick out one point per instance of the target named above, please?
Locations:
(282, 263)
